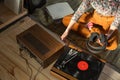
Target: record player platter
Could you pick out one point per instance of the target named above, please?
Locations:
(79, 65)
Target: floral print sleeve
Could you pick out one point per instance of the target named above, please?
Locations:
(82, 8)
(116, 22)
(103, 7)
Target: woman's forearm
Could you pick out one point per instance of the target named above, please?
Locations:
(110, 32)
(70, 25)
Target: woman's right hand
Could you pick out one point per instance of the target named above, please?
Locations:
(64, 35)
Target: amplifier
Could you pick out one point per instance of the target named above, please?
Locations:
(40, 43)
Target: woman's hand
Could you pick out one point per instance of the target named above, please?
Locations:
(99, 42)
(64, 35)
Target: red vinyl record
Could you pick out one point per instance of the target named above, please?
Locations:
(82, 65)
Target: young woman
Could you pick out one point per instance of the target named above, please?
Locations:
(105, 13)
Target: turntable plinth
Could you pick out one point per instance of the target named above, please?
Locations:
(61, 75)
(66, 67)
(41, 44)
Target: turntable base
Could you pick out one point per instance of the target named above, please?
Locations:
(61, 75)
(66, 67)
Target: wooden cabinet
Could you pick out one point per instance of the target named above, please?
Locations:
(7, 15)
(45, 49)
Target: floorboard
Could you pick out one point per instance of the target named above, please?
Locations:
(18, 65)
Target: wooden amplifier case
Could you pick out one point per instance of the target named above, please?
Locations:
(40, 43)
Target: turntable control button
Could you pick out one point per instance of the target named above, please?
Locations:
(82, 65)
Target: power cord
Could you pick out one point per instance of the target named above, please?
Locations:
(31, 71)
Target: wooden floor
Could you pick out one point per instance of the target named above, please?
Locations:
(15, 65)
(20, 66)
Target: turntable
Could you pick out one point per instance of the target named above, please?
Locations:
(76, 65)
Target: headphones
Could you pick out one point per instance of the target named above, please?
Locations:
(92, 44)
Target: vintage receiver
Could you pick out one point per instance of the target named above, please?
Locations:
(41, 43)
